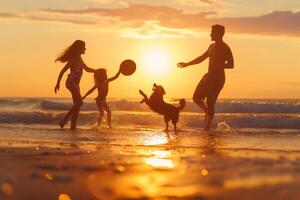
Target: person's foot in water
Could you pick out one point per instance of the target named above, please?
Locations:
(207, 123)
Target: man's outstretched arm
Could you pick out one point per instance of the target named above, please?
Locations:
(195, 61)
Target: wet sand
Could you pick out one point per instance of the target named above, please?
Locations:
(149, 164)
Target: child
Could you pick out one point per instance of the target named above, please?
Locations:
(101, 83)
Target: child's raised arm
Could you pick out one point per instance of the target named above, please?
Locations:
(114, 77)
(89, 92)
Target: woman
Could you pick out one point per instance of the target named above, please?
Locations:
(72, 57)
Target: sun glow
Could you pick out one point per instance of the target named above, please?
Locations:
(156, 62)
(155, 140)
(160, 159)
(160, 163)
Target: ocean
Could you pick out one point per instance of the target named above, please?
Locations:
(28, 120)
(230, 113)
(252, 151)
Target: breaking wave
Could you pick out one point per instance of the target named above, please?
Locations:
(235, 113)
(286, 121)
(223, 106)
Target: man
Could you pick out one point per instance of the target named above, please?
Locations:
(220, 58)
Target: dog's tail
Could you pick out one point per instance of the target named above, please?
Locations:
(182, 104)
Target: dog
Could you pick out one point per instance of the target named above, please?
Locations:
(157, 104)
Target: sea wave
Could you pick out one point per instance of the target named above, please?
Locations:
(236, 113)
(120, 105)
(277, 121)
(223, 106)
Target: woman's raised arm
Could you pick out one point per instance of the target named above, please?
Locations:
(66, 67)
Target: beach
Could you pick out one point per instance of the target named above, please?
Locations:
(138, 160)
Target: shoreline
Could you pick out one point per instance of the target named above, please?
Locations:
(148, 165)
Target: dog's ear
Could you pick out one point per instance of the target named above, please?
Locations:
(154, 87)
(162, 89)
(164, 92)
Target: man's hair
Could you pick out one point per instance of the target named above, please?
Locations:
(219, 29)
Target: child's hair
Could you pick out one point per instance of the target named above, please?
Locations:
(100, 75)
(70, 52)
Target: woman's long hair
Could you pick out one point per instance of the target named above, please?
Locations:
(71, 52)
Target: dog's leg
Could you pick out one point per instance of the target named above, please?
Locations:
(143, 100)
(167, 123)
(143, 94)
(145, 97)
(175, 127)
(174, 121)
(167, 127)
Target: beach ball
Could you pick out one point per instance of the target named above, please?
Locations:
(127, 67)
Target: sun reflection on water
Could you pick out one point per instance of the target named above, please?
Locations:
(160, 162)
(155, 140)
(161, 154)
(160, 159)
(256, 181)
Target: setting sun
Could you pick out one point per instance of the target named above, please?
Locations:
(156, 62)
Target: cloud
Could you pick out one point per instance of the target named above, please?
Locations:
(198, 1)
(274, 23)
(7, 15)
(149, 20)
(72, 21)
(140, 14)
(39, 17)
(151, 29)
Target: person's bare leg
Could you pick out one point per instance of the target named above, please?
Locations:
(101, 114)
(74, 116)
(211, 101)
(109, 118)
(108, 111)
(208, 121)
(77, 99)
(63, 122)
(203, 106)
(200, 94)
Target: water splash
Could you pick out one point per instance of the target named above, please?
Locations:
(224, 127)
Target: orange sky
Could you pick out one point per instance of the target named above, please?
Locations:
(265, 44)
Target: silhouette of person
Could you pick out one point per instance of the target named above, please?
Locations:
(101, 84)
(72, 57)
(209, 87)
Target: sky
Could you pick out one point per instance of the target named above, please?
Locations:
(263, 36)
